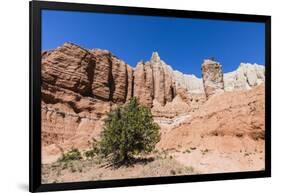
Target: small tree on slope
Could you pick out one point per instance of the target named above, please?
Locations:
(129, 130)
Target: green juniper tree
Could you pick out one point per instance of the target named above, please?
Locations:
(129, 130)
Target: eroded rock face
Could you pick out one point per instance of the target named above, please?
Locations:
(79, 86)
(245, 77)
(69, 66)
(130, 87)
(212, 77)
(69, 120)
(119, 83)
(158, 78)
(189, 82)
(237, 115)
(112, 77)
(102, 76)
(159, 82)
(143, 83)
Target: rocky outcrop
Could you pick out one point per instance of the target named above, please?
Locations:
(154, 80)
(212, 75)
(98, 73)
(130, 87)
(236, 115)
(119, 83)
(143, 83)
(79, 86)
(244, 78)
(102, 76)
(188, 82)
(112, 77)
(69, 66)
(94, 73)
(69, 120)
(158, 78)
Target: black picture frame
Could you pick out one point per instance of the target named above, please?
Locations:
(35, 95)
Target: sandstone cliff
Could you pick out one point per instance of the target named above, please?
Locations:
(79, 86)
(93, 73)
(153, 80)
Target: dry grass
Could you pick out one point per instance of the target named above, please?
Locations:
(162, 164)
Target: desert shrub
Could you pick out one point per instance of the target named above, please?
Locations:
(72, 168)
(91, 153)
(73, 154)
(204, 151)
(129, 130)
(189, 169)
(187, 151)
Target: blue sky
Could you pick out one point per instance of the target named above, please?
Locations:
(182, 43)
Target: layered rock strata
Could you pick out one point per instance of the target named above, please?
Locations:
(79, 86)
(93, 73)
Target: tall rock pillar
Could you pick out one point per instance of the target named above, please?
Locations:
(212, 77)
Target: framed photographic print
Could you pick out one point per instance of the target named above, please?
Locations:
(124, 96)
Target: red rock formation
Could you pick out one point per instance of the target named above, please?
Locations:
(68, 120)
(237, 114)
(158, 78)
(69, 66)
(170, 87)
(212, 77)
(143, 84)
(119, 81)
(101, 86)
(130, 87)
(153, 80)
(111, 79)
(80, 86)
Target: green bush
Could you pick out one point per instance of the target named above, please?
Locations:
(73, 154)
(91, 153)
(129, 130)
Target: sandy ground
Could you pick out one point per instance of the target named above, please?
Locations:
(175, 161)
(92, 170)
(217, 160)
